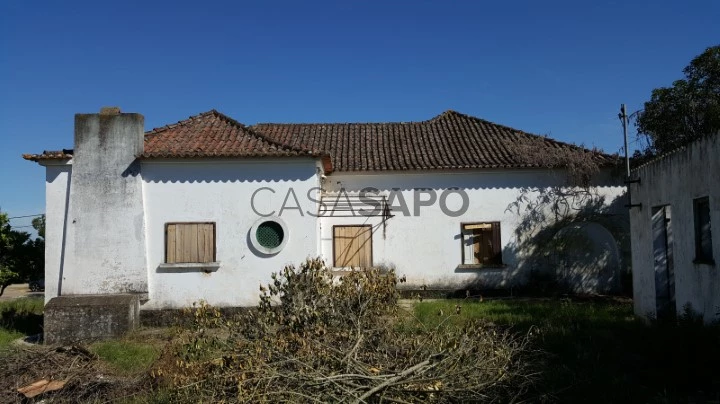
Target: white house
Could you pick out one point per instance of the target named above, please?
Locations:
(207, 208)
(674, 252)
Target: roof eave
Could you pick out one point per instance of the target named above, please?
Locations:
(325, 159)
(46, 160)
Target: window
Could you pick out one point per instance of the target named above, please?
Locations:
(189, 243)
(481, 244)
(268, 236)
(703, 236)
(352, 246)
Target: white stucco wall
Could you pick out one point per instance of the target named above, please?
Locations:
(56, 192)
(220, 191)
(676, 180)
(427, 248)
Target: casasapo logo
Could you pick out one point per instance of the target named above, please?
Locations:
(367, 202)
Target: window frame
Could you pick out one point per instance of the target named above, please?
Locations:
(214, 252)
(500, 264)
(261, 250)
(700, 256)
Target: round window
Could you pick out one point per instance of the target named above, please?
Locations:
(270, 234)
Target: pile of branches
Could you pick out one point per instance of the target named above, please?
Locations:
(320, 338)
(75, 374)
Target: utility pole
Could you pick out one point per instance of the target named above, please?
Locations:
(624, 118)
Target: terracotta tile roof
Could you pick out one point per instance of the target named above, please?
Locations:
(451, 140)
(212, 134)
(64, 154)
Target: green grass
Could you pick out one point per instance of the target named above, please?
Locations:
(523, 314)
(596, 350)
(7, 337)
(20, 317)
(21, 306)
(126, 356)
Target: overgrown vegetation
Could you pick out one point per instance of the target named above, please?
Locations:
(551, 216)
(126, 356)
(21, 258)
(578, 165)
(108, 371)
(20, 317)
(11, 309)
(597, 351)
(8, 336)
(315, 338)
(84, 377)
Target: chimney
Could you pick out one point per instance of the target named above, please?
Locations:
(108, 133)
(105, 251)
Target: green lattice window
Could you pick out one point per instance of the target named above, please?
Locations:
(270, 234)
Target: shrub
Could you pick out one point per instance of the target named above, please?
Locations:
(309, 300)
(316, 337)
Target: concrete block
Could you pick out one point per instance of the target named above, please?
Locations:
(83, 318)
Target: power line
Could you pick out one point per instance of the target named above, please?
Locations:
(20, 217)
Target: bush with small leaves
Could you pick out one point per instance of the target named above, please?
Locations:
(318, 336)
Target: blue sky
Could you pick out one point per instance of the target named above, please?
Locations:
(559, 68)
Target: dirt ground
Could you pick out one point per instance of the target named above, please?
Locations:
(19, 290)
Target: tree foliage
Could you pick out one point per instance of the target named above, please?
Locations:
(21, 257)
(687, 110)
(38, 224)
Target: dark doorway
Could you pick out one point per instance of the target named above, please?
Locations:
(662, 254)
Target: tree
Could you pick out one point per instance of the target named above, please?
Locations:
(688, 110)
(38, 224)
(20, 256)
(10, 242)
(34, 251)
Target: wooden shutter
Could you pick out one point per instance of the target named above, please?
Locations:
(352, 246)
(189, 242)
(477, 246)
(364, 240)
(483, 243)
(496, 251)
